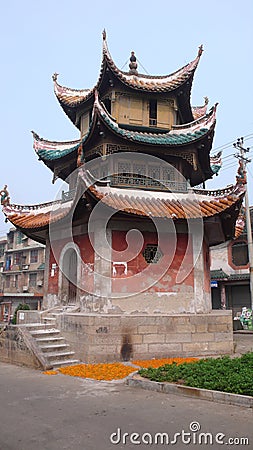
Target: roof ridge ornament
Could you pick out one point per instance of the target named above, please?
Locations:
(55, 76)
(200, 50)
(133, 64)
(5, 196)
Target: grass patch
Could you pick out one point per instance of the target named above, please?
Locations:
(234, 375)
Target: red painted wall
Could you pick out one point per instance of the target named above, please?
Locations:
(138, 277)
(87, 265)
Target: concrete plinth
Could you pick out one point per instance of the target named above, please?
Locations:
(105, 337)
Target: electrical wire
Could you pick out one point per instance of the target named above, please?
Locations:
(228, 144)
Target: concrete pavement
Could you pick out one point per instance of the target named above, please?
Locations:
(40, 412)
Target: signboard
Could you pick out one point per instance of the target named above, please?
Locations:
(214, 283)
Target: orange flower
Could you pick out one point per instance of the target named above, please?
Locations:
(51, 372)
(108, 372)
(154, 363)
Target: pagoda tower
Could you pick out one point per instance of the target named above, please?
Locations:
(128, 243)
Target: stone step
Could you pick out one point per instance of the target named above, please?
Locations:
(49, 339)
(47, 332)
(59, 355)
(47, 348)
(67, 362)
(37, 326)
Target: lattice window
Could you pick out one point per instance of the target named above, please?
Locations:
(168, 174)
(139, 169)
(152, 253)
(154, 172)
(113, 148)
(124, 168)
(104, 171)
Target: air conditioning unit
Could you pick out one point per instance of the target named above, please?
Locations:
(39, 283)
(25, 266)
(25, 288)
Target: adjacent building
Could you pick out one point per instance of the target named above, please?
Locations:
(22, 264)
(230, 277)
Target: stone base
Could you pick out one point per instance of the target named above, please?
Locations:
(105, 338)
(15, 349)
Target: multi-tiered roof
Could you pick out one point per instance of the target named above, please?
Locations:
(186, 143)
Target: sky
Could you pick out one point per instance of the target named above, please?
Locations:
(38, 38)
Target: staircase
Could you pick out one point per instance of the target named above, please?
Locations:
(51, 345)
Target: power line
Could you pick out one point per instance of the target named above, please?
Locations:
(242, 179)
(228, 144)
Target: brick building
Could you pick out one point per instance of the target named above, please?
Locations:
(22, 265)
(230, 278)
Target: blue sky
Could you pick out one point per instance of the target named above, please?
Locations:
(39, 37)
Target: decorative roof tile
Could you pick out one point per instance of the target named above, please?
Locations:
(177, 136)
(51, 150)
(68, 96)
(163, 204)
(150, 83)
(199, 111)
(179, 206)
(218, 274)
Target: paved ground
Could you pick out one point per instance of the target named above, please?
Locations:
(40, 412)
(243, 343)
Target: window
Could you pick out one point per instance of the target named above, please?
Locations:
(19, 237)
(7, 281)
(15, 281)
(34, 256)
(8, 263)
(17, 258)
(152, 253)
(153, 113)
(32, 279)
(10, 239)
(240, 255)
(2, 249)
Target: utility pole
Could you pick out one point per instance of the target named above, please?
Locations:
(241, 156)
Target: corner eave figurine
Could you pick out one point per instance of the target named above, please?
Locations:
(241, 177)
(5, 197)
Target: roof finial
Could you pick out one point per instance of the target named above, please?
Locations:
(206, 100)
(104, 34)
(200, 50)
(55, 76)
(133, 65)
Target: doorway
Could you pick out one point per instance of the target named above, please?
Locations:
(69, 276)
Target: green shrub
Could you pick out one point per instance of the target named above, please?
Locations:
(225, 374)
(20, 307)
